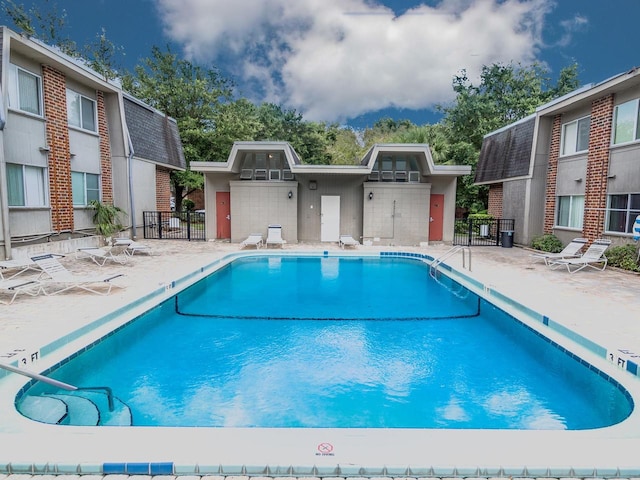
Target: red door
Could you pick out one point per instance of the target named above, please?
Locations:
(436, 214)
(223, 215)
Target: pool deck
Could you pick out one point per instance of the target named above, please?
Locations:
(601, 306)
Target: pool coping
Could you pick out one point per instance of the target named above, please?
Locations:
(606, 452)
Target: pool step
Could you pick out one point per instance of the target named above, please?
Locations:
(81, 408)
(44, 409)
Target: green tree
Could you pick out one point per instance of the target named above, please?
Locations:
(506, 93)
(103, 56)
(43, 21)
(189, 93)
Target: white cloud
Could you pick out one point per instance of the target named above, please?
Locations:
(337, 59)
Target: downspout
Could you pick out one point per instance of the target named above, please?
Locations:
(132, 202)
(4, 199)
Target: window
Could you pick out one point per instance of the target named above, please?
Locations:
(85, 188)
(575, 136)
(625, 122)
(570, 211)
(622, 211)
(81, 111)
(25, 91)
(25, 186)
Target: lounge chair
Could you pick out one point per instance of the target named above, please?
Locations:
(274, 236)
(15, 287)
(347, 241)
(131, 246)
(21, 265)
(65, 280)
(101, 256)
(571, 250)
(254, 240)
(593, 258)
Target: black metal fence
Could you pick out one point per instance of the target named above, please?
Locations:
(477, 232)
(174, 225)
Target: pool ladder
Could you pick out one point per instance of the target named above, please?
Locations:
(466, 251)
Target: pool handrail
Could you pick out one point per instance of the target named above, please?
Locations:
(58, 383)
(433, 268)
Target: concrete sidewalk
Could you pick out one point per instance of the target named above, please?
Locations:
(601, 306)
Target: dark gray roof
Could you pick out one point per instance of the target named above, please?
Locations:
(154, 135)
(506, 153)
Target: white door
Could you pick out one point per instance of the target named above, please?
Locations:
(329, 218)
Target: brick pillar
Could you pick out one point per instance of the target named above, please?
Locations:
(595, 200)
(55, 110)
(495, 200)
(106, 177)
(163, 189)
(552, 175)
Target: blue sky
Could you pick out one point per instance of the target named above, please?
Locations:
(355, 61)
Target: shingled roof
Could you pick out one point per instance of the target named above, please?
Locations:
(506, 153)
(154, 135)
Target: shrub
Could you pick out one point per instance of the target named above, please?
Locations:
(188, 205)
(623, 256)
(480, 216)
(547, 243)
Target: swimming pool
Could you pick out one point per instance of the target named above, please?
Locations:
(31, 447)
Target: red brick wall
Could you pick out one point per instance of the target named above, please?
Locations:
(552, 174)
(55, 110)
(595, 200)
(163, 190)
(495, 201)
(106, 177)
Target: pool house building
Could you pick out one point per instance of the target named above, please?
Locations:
(396, 195)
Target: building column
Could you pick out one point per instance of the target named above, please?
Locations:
(595, 199)
(55, 110)
(106, 177)
(552, 175)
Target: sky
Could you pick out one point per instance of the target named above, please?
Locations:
(357, 61)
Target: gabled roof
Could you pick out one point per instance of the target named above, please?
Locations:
(422, 151)
(506, 153)
(154, 135)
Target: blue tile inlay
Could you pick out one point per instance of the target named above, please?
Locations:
(114, 468)
(137, 468)
(632, 367)
(162, 468)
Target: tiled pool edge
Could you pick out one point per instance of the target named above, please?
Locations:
(200, 469)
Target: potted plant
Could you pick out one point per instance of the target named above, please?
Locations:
(106, 219)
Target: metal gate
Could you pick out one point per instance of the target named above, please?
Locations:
(174, 225)
(480, 232)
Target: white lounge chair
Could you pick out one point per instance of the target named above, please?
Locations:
(20, 265)
(131, 246)
(15, 287)
(65, 280)
(347, 241)
(101, 256)
(571, 250)
(274, 236)
(253, 240)
(593, 258)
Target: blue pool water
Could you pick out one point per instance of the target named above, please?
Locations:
(341, 342)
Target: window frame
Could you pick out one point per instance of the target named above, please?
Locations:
(636, 123)
(85, 189)
(575, 137)
(629, 213)
(81, 101)
(15, 95)
(42, 195)
(570, 214)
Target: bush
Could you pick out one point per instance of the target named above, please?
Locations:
(623, 256)
(480, 216)
(547, 243)
(188, 205)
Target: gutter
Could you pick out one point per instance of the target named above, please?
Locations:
(4, 199)
(132, 204)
